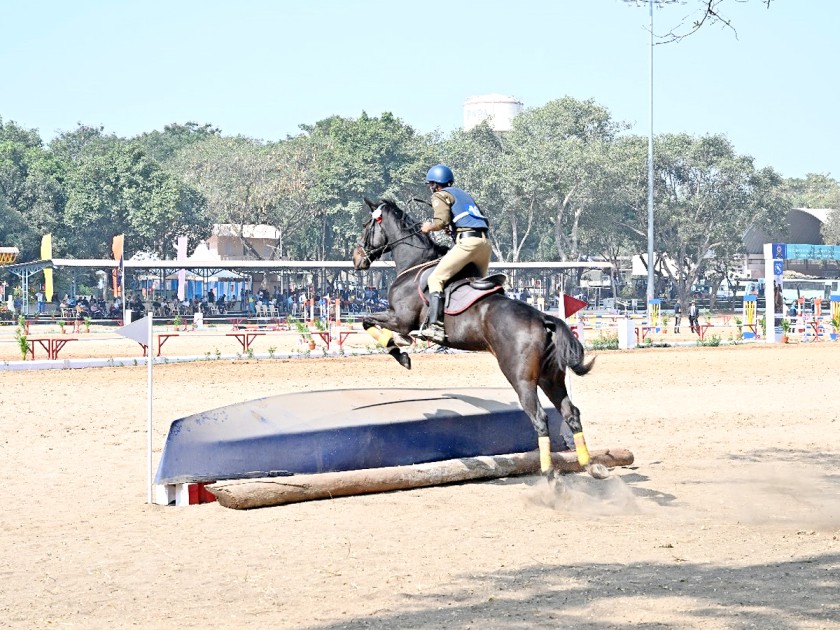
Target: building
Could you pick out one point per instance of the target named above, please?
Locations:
(804, 225)
(230, 241)
(497, 109)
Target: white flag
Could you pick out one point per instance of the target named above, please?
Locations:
(137, 331)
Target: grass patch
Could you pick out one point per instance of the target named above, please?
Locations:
(605, 342)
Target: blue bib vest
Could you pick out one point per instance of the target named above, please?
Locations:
(466, 215)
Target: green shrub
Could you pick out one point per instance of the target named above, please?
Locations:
(605, 342)
(23, 343)
(710, 340)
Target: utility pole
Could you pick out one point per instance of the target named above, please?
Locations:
(650, 283)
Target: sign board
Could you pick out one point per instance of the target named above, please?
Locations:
(809, 252)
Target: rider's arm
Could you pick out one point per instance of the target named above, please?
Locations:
(442, 202)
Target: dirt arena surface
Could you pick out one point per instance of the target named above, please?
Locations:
(730, 517)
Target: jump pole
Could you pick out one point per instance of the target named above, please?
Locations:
(245, 494)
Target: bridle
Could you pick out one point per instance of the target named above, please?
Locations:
(371, 255)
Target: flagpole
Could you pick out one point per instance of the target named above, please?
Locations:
(149, 362)
(141, 331)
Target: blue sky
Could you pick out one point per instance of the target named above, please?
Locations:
(261, 68)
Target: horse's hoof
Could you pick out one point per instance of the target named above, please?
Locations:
(599, 471)
(404, 360)
(555, 481)
(402, 341)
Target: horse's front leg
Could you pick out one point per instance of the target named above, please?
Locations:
(528, 398)
(380, 326)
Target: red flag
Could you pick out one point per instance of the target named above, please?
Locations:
(572, 305)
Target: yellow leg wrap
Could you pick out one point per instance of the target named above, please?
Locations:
(374, 332)
(580, 448)
(545, 453)
(384, 337)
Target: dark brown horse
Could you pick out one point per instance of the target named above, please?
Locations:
(533, 349)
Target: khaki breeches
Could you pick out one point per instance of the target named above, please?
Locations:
(473, 249)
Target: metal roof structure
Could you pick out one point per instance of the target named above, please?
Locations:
(804, 225)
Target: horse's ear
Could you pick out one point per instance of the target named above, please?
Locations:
(371, 204)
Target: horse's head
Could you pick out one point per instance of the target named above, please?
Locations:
(390, 229)
(374, 240)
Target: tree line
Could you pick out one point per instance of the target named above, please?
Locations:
(566, 183)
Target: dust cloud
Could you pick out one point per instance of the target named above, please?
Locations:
(585, 495)
(783, 493)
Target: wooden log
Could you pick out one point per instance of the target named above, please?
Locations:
(244, 494)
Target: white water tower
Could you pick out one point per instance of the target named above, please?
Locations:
(499, 110)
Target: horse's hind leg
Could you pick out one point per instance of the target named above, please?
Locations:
(526, 389)
(559, 397)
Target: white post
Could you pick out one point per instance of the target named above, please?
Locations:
(121, 272)
(626, 333)
(561, 313)
(769, 295)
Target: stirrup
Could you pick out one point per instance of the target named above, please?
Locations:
(433, 332)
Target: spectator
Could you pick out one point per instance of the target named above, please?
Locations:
(693, 315)
(39, 299)
(677, 316)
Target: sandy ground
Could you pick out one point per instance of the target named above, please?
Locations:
(730, 517)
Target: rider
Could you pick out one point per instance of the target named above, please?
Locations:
(455, 209)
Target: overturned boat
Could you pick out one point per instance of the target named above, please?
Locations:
(341, 430)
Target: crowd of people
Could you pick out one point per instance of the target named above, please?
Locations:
(262, 301)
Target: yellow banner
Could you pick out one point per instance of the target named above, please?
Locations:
(46, 254)
(117, 274)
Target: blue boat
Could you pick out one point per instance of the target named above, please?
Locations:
(329, 431)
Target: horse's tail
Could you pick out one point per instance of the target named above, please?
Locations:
(564, 349)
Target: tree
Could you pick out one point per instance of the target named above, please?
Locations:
(354, 158)
(163, 145)
(831, 228)
(818, 191)
(706, 198)
(813, 191)
(83, 141)
(477, 158)
(122, 190)
(558, 162)
(705, 13)
(237, 177)
(31, 189)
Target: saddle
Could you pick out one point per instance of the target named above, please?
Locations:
(463, 290)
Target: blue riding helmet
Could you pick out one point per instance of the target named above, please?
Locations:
(440, 174)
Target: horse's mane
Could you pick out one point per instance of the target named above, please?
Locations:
(407, 223)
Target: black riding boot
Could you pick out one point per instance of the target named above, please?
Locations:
(432, 330)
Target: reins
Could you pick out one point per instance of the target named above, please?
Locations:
(415, 230)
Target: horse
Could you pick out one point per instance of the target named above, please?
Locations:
(533, 348)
